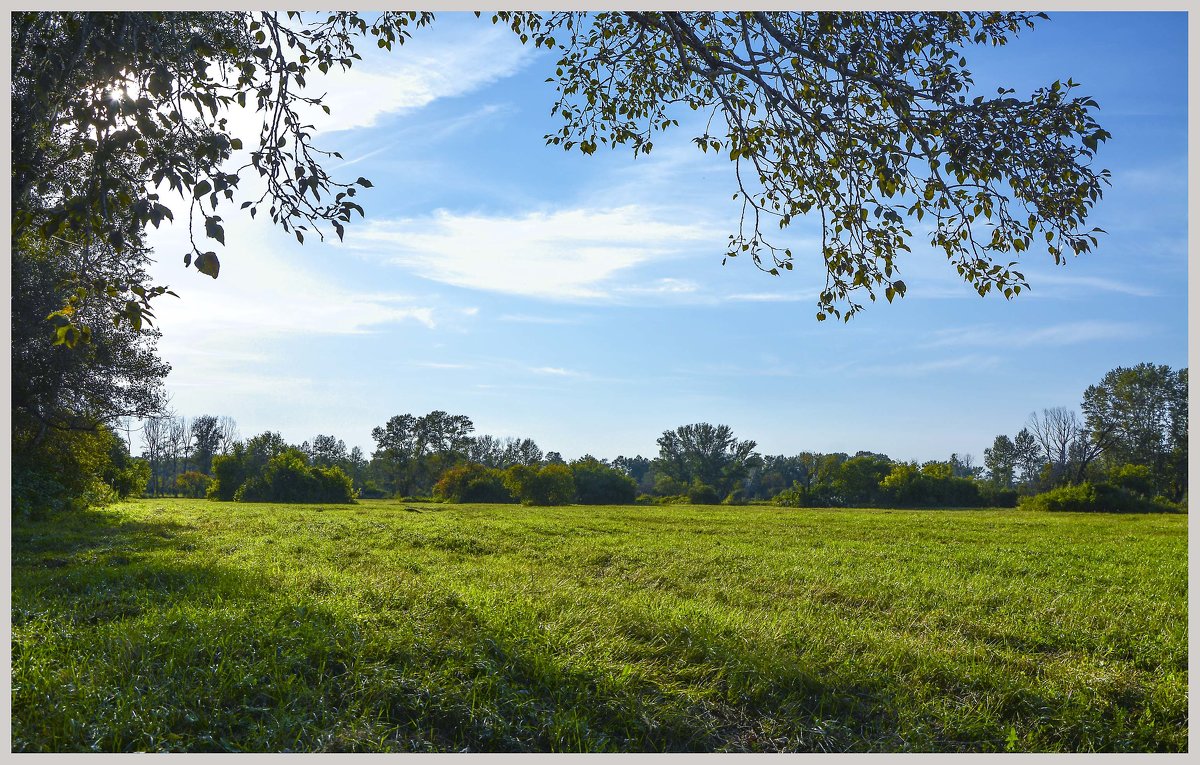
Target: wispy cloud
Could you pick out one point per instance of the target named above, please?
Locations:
(521, 318)
(1092, 283)
(417, 74)
(565, 255)
(932, 366)
(440, 365)
(556, 371)
(1068, 333)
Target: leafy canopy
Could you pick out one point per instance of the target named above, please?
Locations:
(866, 122)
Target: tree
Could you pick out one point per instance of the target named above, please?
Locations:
(328, 451)
(866, 120)
(706, 454)
(521, 451)
(1027, 457)
(1000, 461)
(486, 450)
(1142, 411)
(206, 440)
(599, 484)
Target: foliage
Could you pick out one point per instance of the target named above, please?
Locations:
(549, 485)
(130, 101)
(411, 452)
(1135, 479)
(193, 483)
(706, 454)
(72, 470)
(702, 494)
(600, 484)
(1143, 410)
(635, 629)
(1093, 498)
(472, 483)
(865, 119)
(265, 469)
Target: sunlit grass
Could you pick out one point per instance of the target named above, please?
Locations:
(190, 625)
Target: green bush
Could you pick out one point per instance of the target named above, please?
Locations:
(1093, 498)
(286, 477)
(68, 469)
(599, 484)
(552, 485)
(702, 494)
(472, 483)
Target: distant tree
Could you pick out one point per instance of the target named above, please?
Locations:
(156, 447)
(1142, 411)
(858, 479)
(472, 483)
(549, 485)
(486, 450)
(706, 454)
(964, 466)
(229, 433)
(554, 458)
(1027, 457)
(1000, 460)
(206, 437)
(637, 468)
(328, 451)
(192, 483)
(521, 451)
(599, 484)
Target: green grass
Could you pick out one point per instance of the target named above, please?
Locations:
(199, 626)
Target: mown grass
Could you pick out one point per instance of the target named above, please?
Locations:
(197, 626)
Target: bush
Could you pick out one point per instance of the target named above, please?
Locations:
(1093, 498)
(1135, 479)
(287, 477)
(599, 484)
(552, 485)
(193, 483)
(703, 494)
(991, 495)
(68, 469)
(471, 483)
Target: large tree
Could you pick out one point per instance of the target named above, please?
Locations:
(1143, 409)
(866, 122)
(705, 454)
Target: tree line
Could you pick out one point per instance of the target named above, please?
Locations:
(1130, 438)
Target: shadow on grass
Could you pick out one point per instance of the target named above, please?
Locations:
(124, 642)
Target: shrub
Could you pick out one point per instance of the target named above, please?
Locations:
(1135, 479)
(552, 485)
(472, 482)
(286, 477)
(193, 483)
(599, 484)
(1093, 498)
(702, 494)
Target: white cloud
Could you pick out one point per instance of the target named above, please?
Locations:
(557, 371)
(1068, 333)
(921, 368)
(417, 73)
(569, 254)
(1091, 283)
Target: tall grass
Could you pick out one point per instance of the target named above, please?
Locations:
(196, 626)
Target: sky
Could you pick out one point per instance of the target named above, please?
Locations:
(581, 300)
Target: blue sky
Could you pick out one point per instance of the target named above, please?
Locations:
(581, 301)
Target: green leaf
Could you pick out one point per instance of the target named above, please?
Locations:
(207, 263)
(201, 188)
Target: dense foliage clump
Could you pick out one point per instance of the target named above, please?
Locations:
(1095, 498)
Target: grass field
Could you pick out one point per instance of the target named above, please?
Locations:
(199, 626)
